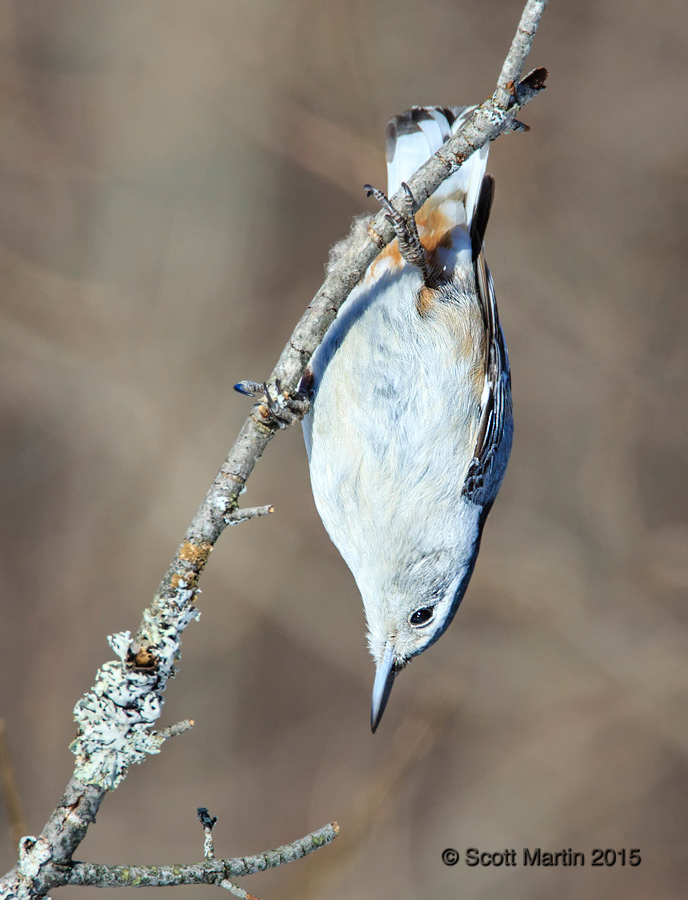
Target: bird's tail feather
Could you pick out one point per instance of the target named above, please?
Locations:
(414, 136)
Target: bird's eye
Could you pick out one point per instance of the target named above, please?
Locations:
(422, 616)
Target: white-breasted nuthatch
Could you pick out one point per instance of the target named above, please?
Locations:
(410, 426)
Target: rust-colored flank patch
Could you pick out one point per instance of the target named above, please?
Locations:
(434, 228)
(425, 300)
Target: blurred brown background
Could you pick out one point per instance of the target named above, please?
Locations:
(172, 175)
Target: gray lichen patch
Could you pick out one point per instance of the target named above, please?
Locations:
(117, 715)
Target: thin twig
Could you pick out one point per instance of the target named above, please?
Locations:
(116, 717)
(237, 891)
(177, 729)
(211, 871)
(520, 48)
(236, 516)
(208, 822)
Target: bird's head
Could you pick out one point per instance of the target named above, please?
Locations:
(415, 611)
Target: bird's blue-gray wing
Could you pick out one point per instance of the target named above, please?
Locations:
(493, 444)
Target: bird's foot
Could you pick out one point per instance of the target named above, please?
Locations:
(404, 224)
(279, 407)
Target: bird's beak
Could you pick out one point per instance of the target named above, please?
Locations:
(382, 688)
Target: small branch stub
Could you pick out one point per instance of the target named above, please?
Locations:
(237, 891)
(175, 730)
(236, 516)
(208, 824)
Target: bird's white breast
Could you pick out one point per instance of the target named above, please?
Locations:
(393, 424)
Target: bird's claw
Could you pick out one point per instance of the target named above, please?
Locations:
(404, 224)
(249, 388)
(278, 406)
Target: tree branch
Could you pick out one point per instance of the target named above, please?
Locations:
(520, 48)
(210, 871)
(116, 718)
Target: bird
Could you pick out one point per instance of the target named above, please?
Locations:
(410, 424)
